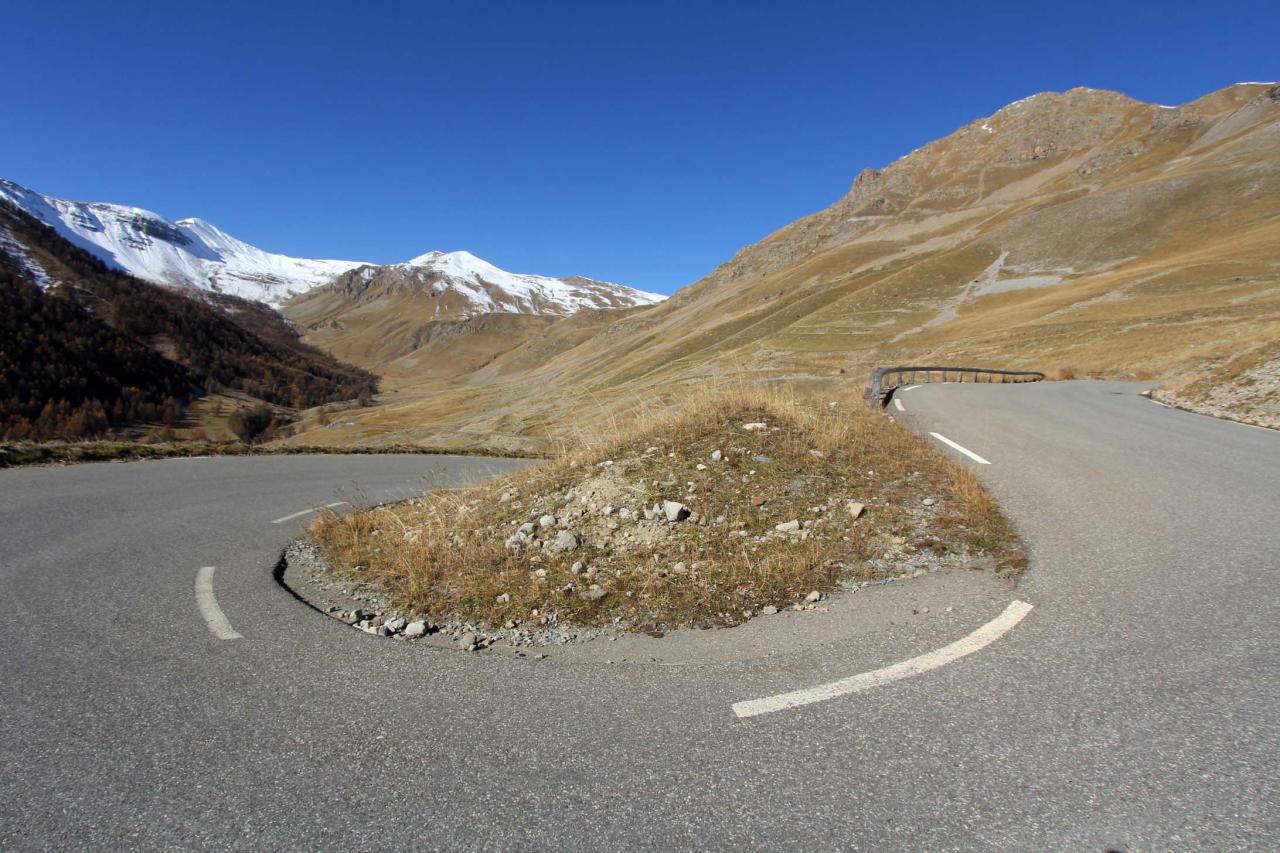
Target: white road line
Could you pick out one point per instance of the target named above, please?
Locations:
(979, 639)
(301, 513)
(908, 388)
(966, 451)
(897, 404)
(209, 609)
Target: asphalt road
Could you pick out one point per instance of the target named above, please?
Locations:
(1135, 708)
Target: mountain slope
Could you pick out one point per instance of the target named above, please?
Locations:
(187, 253)
(373, 315)
(83, 338)
(1082, 229)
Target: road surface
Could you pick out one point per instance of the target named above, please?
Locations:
(1135, 707)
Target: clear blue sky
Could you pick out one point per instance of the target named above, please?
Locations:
(638, 142)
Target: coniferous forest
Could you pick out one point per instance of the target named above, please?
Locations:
(101, 350)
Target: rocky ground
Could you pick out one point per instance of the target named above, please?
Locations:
(1245, 389)
(860, 608)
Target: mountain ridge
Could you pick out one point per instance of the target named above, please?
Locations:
(1085, 230)
(196, 254)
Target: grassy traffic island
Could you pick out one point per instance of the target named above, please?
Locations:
(738, 505)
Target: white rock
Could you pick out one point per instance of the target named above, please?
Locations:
(813, 597)
(577, 568)
(674, 511)
(752, 427)
(701, 467)
(547, 521)
(504, 598)
(716, 456)
(928, 502)
(396, 624)
(855, 509)
(768, 610)
(415, 629)
(528, 528)
(787, 526)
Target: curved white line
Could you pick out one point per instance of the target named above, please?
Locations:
(979, 639)
(209, 609)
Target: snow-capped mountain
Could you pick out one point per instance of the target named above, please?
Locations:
(488, 289)
(186, 253)
(193, 253)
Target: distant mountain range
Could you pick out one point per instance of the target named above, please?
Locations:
(195, 254)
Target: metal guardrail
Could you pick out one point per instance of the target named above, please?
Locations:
(885, 379)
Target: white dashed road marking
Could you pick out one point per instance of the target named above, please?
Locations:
(209, 609)
(966, 451)
(979, 639)
(300, 513)
(897, 404)
(908, 388)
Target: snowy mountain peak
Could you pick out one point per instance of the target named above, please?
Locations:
(463, 285)
(491, 289)
(197, 254)
(187, 253)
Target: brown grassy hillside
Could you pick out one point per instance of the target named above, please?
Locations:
(1082, 229)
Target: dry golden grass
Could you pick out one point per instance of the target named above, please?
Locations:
(1245, 387)
(444, 556)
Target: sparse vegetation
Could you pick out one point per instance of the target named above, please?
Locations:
(1243, 387)
(1061, 374)
(13, 454)
(764, 516)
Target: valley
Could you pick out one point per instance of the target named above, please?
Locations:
(1082, 233)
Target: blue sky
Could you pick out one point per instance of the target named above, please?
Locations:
(638, 142)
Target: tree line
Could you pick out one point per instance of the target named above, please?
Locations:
(103, 350)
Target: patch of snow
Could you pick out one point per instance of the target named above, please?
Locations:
(10, 246)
